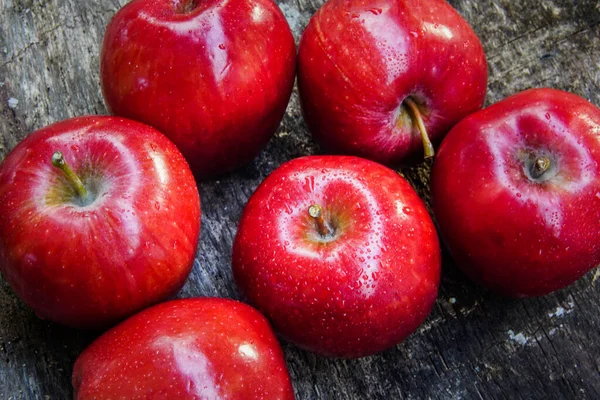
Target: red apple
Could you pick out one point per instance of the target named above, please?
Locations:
(339, 253)
(110, 228)
(186, 349)
(383, 78)
(214, 76)
(516, 192)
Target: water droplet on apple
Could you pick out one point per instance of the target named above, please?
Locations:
(222, 46)
(157, 205)
(309, 183)
(407, 210)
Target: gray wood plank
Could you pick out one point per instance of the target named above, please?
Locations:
(474, 344)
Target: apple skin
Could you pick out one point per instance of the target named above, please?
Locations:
(215, 79)
(508, 231)
(132, 246)
(354, 294)
(197, 348)
(358, 62)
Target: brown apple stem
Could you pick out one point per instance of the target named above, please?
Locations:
(540, 165)
(316, 212)
(416, 117)
(186, 6)
(58, 160)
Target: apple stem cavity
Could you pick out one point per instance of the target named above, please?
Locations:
(418, 120)
(540, 166)
(185, 6)
(58, 160)
(316, 212)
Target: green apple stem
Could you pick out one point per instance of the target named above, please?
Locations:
(316, 212)
(58, 160)
(540, 165)
(416, 117)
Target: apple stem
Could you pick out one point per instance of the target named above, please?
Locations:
(540, 165)
(186, 6)
(316, 212)
(58, 160)
(416, 117)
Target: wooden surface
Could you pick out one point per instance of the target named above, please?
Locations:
(473, 345)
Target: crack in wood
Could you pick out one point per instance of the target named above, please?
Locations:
(27, 47)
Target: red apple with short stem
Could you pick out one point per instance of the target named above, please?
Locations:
(384, 79)
(202, 348)
(516, 192)
(339, 253)
(215, 76)
(100, 218)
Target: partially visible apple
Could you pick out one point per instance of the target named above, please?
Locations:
(110, 228)
(215, 76)
(383, 79)
(202, 348)
(339, 253)
(516, 192)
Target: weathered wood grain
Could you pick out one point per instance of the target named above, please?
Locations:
(473, 345)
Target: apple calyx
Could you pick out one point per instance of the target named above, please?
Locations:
(417, 120)
(324, 228)
(58, 160)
